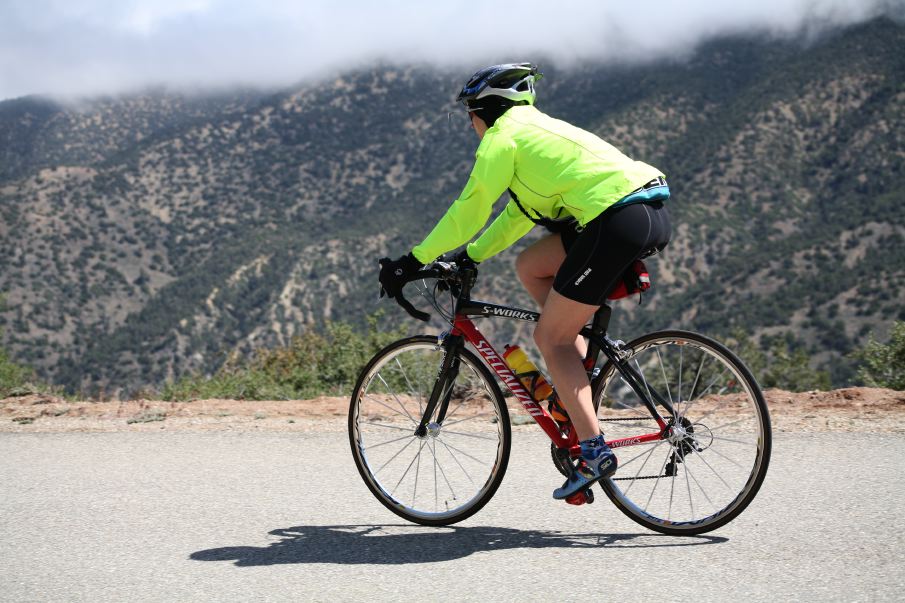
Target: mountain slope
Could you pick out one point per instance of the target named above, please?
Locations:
(148, 246)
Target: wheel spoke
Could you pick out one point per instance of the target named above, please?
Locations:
(409, 429)
(700, 487)
(417, 471)
(407, 469)
(398, 401)
(650, 396)
(372, 446)
(703, 460)
(657, 483)
(462, 452)
(729, 424)
(472, 418)
(709, 413)
(470, 435)
(697, 376)
(388, 407)
(411, 387)
(665, 378)
(433, 454)
(723, 456)
(644, 464)
(687, 483)
(712, 383)
(456, 459)
(725, 439)
(634, 458)
(437, 465)
(390, 460)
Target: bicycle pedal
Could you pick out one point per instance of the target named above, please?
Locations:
(581, 497)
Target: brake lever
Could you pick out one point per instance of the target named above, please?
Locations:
(412, 311)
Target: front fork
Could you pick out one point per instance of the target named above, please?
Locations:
(446, 377)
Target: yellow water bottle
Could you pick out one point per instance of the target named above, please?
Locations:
(527, 373)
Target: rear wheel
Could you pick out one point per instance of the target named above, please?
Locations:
(715, 457)
(455, 468)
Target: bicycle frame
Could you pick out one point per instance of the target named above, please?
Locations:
(463, 329)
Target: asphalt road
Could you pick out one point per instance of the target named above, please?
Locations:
(254, 516)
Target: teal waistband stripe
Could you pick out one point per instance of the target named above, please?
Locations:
(654, 193)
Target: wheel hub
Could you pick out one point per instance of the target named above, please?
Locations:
(684, 437)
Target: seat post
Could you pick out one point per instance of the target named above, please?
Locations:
(601, 320)
(599, 326)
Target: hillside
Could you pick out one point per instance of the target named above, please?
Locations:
(146, 236)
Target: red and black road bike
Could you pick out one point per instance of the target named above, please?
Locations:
(430, 430)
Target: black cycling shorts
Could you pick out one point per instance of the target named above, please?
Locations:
(597, 255)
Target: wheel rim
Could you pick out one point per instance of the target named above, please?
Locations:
(707, 469)
(448, 470)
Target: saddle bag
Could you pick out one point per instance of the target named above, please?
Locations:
(635, 279)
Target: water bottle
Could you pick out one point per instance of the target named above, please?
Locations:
(527, 373)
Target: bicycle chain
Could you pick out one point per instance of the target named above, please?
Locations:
(619, 479)
(615, 479)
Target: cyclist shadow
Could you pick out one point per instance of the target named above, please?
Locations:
(401, 544)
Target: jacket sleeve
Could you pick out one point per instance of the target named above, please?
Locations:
(510, 226)
(490, 177)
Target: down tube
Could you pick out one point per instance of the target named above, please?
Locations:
(499, 366)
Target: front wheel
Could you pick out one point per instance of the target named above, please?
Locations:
(451, 471)
(715, 456)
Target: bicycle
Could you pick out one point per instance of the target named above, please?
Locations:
(428, 409)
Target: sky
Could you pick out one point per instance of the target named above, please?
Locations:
(79, 48)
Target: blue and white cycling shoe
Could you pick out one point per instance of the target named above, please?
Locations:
(598, 462)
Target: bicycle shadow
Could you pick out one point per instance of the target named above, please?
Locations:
(402, 544)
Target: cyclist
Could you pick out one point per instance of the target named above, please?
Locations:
(604, 210)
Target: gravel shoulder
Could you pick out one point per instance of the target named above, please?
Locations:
(856, 409)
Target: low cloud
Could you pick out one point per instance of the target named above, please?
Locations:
(66, 48)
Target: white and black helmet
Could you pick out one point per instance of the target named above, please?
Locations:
(511, 81)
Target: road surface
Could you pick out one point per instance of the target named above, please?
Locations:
(284, 516)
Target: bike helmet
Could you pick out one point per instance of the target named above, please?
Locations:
(513, 82)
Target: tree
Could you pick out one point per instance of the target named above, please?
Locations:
(13, 377)
(883, 365)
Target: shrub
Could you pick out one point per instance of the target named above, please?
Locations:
(14, 379)
(779, 364)
(314, 363)
(883, 365)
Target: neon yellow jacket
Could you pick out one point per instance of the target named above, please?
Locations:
(555, 169)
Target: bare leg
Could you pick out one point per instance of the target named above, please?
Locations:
(536, 267)
(561, 319)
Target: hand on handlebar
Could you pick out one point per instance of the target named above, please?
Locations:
(462, 260)
(394, 274)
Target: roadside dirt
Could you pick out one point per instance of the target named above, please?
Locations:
(856, 409)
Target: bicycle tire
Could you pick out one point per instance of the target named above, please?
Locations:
(738, 401)
(489, 430)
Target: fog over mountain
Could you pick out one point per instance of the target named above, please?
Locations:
(90, 47)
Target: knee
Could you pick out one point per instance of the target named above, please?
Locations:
(544, 339)
(548, 339)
